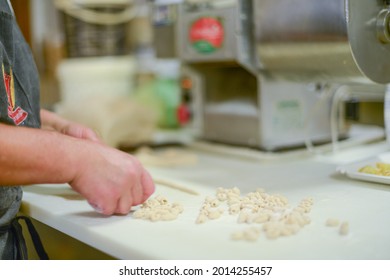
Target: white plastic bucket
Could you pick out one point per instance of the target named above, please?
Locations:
(81, 78)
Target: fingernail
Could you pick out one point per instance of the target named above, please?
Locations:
(96, 207)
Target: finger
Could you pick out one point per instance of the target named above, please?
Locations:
(147, 184)
(72, 130)
(81, 132)
(124, 205)
(92, 135)
(103, 201)
(137, 193)
(96, 207)
(103, 208)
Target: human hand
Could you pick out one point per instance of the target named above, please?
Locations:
(53, 121)
(79, 131)
(112, 181)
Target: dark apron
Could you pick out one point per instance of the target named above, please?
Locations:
(19, 106)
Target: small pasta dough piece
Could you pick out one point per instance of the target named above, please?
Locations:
(168, 217)
(251, 234)
(215, 214)
(243, 217)
(286, 231)
(273, 233)
(234, 209)
(261, 218)
(344, 228)
(238, 235)
(162, 200)
(214, 203)
(332, 222)
(201, 219)
(177, 207)
(139, 214)
(155, 216)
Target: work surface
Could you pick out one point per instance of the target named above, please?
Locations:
(364, 205)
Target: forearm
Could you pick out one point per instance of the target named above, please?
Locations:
(110, 180)
(29, 156)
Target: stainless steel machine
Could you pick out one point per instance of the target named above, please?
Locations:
(264, 74)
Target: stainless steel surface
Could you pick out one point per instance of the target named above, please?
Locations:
(371, 55)
(321, 40)
(382, 24)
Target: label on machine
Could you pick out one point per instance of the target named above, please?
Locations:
(206, 34)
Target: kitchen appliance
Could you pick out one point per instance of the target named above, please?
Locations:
(264, 74)
(96, 27)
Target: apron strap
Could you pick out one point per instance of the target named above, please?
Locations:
(15, 229)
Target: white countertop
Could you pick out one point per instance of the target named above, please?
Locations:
(365, 205)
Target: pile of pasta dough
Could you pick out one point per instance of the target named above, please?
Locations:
(158, 209)
(271, 213)
(258, 212)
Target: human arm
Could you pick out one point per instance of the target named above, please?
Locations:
(108, 178)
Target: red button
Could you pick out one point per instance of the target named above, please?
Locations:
(183, 114)
(186, 83)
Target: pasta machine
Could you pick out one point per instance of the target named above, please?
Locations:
(264, 74)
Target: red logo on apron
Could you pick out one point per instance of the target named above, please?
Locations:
(18, 115)
(206, 34)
